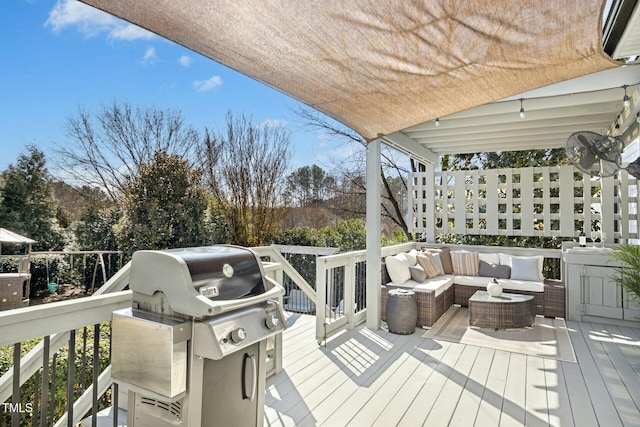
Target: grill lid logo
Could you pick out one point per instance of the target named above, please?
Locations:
(209, 291)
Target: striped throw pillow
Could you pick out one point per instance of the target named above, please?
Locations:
(429, 264)
(465, 263)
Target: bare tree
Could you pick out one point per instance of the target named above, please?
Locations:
(105, 148)
(244, 169)
(352, 171)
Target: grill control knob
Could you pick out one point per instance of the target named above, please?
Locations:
(272, 322)
(238, 335)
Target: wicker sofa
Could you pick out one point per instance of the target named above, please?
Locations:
(436, 294)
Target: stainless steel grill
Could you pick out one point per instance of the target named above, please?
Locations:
(192, 350)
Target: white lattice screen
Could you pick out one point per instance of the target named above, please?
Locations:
(545, 201)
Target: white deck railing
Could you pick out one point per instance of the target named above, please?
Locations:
(341, 287)
(56, 325)
(285, 268)
(60, 325)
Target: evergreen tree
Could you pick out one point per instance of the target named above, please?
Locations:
(95, 229)
(309, 186)
(505, 159)
(27, 206)
(164, 207)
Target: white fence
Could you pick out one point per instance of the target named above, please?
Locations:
(542, 201)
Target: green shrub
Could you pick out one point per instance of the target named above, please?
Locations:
(629, 275)
(59, 386)
(397, 238)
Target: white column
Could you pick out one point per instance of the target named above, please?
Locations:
(430, 202)
(373, 234)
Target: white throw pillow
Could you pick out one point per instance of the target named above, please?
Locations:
(417, 273)
(524, 269)
(398, 268)
(411, 256)
(493, 258)
(507, 259)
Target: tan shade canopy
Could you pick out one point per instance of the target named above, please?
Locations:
(383, 66)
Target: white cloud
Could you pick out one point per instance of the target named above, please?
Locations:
(149, 56)
(89, 20)
(185, 60)
(207, 85)
(92, 22)
(128, 32)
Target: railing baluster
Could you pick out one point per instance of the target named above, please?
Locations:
(321, 283)
(45, 382)
(96, 369)
(349, 290)
(337, 290)
(15, 399)
(115, 404)
(36, 397)
(84, 359)
(52, 391)
(328, 292)
(114, 388)
(71, 374)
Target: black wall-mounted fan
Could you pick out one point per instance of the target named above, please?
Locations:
(598, 155)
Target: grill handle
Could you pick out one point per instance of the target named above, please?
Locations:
(249, 362)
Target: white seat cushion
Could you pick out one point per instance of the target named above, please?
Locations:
(439, 284)
(507, 284)
(459, 279)
(521, 285)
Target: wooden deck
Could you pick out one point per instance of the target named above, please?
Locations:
(375, 378)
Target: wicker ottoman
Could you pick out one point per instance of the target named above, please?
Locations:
(402, 311)
(504, 312)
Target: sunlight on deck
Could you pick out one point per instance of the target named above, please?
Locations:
(375, 378)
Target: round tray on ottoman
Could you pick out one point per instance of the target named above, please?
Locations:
(402, 311)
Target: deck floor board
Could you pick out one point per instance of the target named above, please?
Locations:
(375, 378)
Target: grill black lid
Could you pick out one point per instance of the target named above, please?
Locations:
(201, 281)
(224, 273)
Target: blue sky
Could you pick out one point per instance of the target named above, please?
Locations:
(61, 55)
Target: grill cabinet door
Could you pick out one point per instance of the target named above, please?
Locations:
(228, 384)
